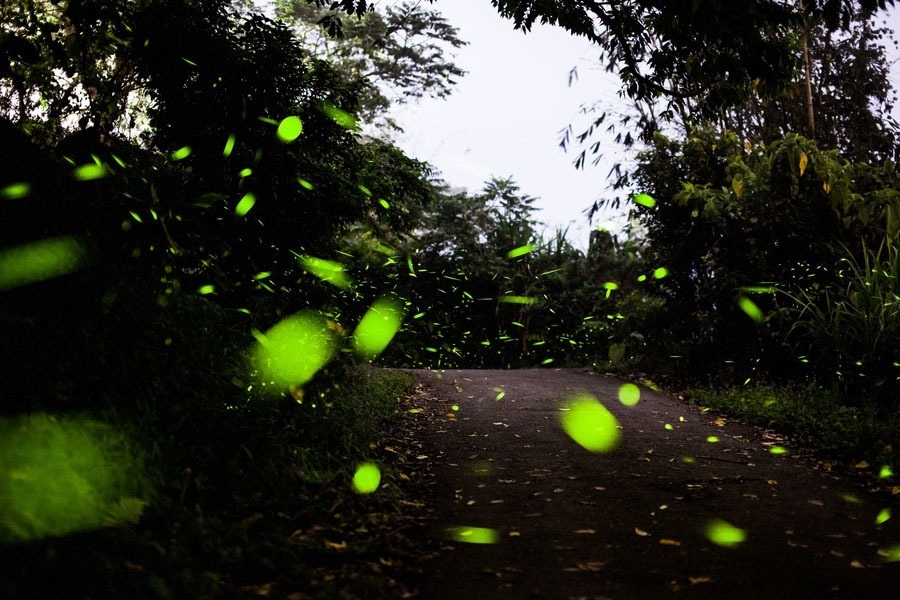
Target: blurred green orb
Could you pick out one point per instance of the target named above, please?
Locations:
(590, 424)
(290, 129)
(367, 478)
(294, 350)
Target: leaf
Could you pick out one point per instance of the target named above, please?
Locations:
(668, 542)
(737, 185)
(641, 532)
(804, 160)
(335, 545)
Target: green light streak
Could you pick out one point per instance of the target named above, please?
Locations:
(326, 270)
(473, 535)
(724, 534)
(378, 327)
(15, 191)
(39, 261)
(590, 424)
(520, 251)
(246, 203)
(289, 129)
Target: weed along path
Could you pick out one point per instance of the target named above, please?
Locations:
(686, 503)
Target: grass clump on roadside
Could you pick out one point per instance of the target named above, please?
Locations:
(812, 416)
(252, 500)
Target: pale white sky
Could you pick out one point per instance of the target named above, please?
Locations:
(505, 116)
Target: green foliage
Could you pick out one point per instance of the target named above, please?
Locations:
(482, 288)
(849, 329)
(812, 417)
(852, 94)
(732, 219)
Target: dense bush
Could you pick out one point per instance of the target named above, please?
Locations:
(730, 222)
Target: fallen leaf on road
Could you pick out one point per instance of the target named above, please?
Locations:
(585, 531)
(699, 580)
(641, 532)
(668, 542)
(586, 566)
(861, 465)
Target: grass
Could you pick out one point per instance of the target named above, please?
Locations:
(255, 502)
(813, 418)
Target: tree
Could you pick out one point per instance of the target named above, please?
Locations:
(851, 95)
(189, 150)
(726, 50)
(399, 54)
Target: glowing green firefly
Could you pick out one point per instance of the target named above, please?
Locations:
(181, 153)
(629, 394)
(341, 117)
(229, 146)
(90, 172)
(246, 203)
(778, 450)
(660, 273)
(474, 535)
(750, 308)
(17, 190)
(367, 478)
(289, 129)
(725, 534)
(883, 516)
(38, 261)
(326, 270)
(590, 424)
(378, 327)
(295, 349)
(517, 299)
(886, 472)
(644, 200)
(520, 251)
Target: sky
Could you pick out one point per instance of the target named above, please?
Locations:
(505, 116)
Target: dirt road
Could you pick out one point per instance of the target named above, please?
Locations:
(563, 522)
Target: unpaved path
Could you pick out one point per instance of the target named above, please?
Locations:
(631, 523)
